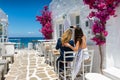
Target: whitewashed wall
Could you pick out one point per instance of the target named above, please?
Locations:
(60, 8)
(71, 8)
(113, 41)
(56, 27)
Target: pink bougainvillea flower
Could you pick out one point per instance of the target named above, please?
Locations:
(98, 40)
(45, 21)
(103, 10)
(92, 14)
(105, 33)
(46, 7)
(102, 6)
(112, 12)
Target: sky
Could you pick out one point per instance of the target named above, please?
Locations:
(22, 16)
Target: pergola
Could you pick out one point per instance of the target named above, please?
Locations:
(3, 26)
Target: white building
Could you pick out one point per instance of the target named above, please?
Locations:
(3, 26)
(76, 14)
(72, 12)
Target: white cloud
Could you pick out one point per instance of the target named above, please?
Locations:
(30, 32)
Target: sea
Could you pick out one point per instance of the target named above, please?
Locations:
(25, 40)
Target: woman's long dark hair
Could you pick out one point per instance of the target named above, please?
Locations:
(78, 35)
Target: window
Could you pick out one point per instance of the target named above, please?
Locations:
(88, 28)
(77, 21)
(87, 23)
(60, 30)
(0, 30)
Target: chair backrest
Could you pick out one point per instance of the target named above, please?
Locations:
(9, 48)
(68, 55)
(68, 58)
(71, 54)
(53, 45)
(87, 63)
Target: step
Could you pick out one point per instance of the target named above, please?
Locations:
(113, 73)
(95, 76)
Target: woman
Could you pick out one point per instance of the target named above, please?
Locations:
(80, 41)
(66, 38)
(79, 38)
(80, 45)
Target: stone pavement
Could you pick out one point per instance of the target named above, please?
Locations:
(29, 66)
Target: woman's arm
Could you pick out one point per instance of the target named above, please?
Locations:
(77, 46)
(73, 48)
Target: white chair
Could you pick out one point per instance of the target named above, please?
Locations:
(67, 72)
(2, 72)
(87, 64)
(4, 63)
(89, 75)
(52, 48)
(38, 49)
(47, 50)
(30, 45)
(7, 51)
(82, 63)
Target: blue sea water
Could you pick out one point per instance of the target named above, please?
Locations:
(24, 40)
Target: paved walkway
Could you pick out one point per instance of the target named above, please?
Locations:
(29, 66)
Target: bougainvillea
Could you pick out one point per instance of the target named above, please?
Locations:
(45, 21)
(103, 10)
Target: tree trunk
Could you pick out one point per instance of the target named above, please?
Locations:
(101, 59)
